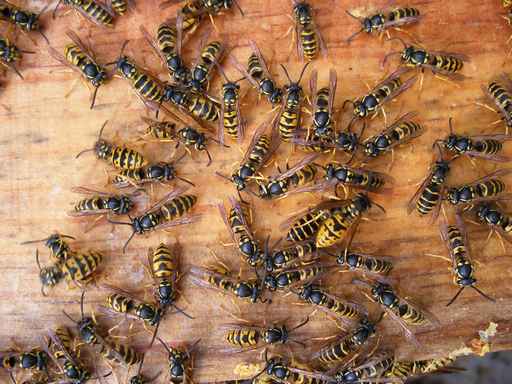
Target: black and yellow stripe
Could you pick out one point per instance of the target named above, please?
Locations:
(202, 107)
(364, 263)
(401, 13)
(309, 41)
(111, 350)
(243, 338)
(177, 207)
(80, 266)
(307, 225)
(119, 6)
(94, 10)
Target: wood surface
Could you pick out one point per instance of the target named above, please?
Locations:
(43, 129)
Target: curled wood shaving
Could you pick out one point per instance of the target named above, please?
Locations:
(247, 369)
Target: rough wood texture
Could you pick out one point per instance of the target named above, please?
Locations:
(42, 131)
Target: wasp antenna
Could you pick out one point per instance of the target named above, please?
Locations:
(209, 157)
(84, 151)
(240, 79)
(351, 15)
(239, 8)
(450, 124)
(101, 129)
(183, 312)
(194, 345)
(286, 73)
(185, 181)
(69, 317)
(455, 297)
(94, 97)
(352, 36)
(44, 37)
(37, 260)
(152, 341)
(483, 294)
(123, 47)
(165, 345)
(399, 39)
(383, 62)
(128, 241)
(302, 72)
(301, 324)
(347, 102)
(82, 304)
(18, 72)
(221, 71)
(379, 206)
(56, 8)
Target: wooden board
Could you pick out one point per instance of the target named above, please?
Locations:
(43, 130)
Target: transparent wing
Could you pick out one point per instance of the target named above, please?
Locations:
(76, 40)
(496, 174)
(408, 333)
(317, 209)
(333, 84)
(153, 44)
(164, 200)
(408, 116)
(313, 80)
(261, 59)
(243, 71)
(181, 221)
(297, 167)
(61, 59)
(92, 19)
(411, 205)
(56, 340)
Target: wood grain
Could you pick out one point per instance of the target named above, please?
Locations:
(42, 131)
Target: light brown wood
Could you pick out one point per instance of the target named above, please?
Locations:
(42, 131)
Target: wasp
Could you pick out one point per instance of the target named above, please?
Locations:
(487, 212)
(404, 369)
(332, 305)
(259, 76)
(428, 196)
(108, 349)
(92, 10)
(194, 8)
(500, 92)
(486, 187)
(279, 259)
(278, 370)
(445, 63)
(340, 174)
(305, 224)
(219, 279)
(289, 278)
(168, 46)
(83, 61)
(347, 344)
(356, 261)
(26, 20)
(209, 57)
(307, 35)
(236, 222)
(258, 152)
(381, 21)
(246, 337)
(77, 268)
(180, 362)
(118, 157)
(231, 122)
(166, 213)
(323, 101)
(345, 141)
(63, 358)
(369, 370)
(152, 173)
(120, 302)
(197, 104)
(59, 247)
(402, 311)
(485, 147)
(457, 242)
(400, 132)
(101, 204)
(289, 117)
(343, 223)
(164, 269)
(299, 175)
(10, 54)
(165, 131)
(35, 360)
(385, 91)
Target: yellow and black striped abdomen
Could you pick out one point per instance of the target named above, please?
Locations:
(429, 198)
(404, 130)
(339, 308)
(387, 88)
(119, 303)
(303, 176)
(447, 63)
(96, 12)
(333, 229)
(337, 352)
(221, 283)
(432, 365)
(456, 241)
(288, 124)
(178, 207)
(164, 263)
(64, 336)
(488, 146)
(129, 355)
(259, 151)
(147, 87)
(92, 204)
(306, 226)
(490, 188)
(500, 95)
(162, 130)
(119, 6)
(401, 13)
(203, 108)
(212, 52)
(125, 158)
(80, 266)
(411, 315)
(244, 337)
(309, 41)
(231, 122)
(254, 66)
(74, 55)
(166, 38)
(403, 369)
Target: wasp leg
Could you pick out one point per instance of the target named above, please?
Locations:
(438, 256)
